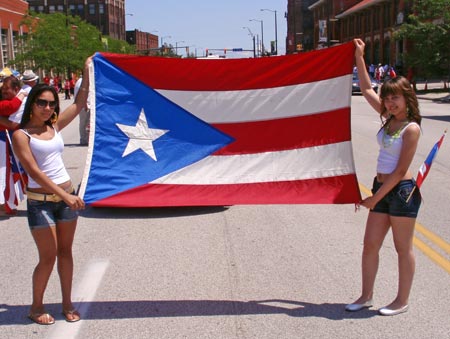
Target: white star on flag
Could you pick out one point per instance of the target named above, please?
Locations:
(141, 136)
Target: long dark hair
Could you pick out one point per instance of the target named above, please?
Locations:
(34, 94)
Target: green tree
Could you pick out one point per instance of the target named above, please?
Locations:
(58, 42)
(428, 31)
(117, 46)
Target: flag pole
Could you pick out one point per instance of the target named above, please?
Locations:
(410, 194)
(414, 188)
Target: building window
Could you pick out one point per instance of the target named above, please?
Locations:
(92, 9)
(376, 52)
(367, 15)
(40, 9)
(387, 16)
(4, 46)
(101, 8)
(72, 10)
(376, 23)
(51, 9)
(60, 8)
(15, 42)
(351, 32)
(387, 51)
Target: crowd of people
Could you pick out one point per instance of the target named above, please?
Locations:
(380, 72)
(67, 86)
(52, 204)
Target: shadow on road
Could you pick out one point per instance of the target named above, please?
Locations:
(438, 117)
(107, 310)
(153, 212)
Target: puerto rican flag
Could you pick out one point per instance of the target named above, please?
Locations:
(426, 166)
(12, 177)
(193, 132)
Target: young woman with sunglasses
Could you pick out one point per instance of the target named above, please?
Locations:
(52, 206)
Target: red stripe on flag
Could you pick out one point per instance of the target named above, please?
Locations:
(286, 134)
(332, 190)
(236, 74)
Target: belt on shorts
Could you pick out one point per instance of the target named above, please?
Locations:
(46, 196)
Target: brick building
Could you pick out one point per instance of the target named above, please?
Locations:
(300, 26)
(145, 43)
(107, 15)
(375, 21)
(11, 14)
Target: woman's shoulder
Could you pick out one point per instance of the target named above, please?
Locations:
(412, 129)
(21, 134)
(413, 126)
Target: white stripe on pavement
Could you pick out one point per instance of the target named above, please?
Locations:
(82, 297)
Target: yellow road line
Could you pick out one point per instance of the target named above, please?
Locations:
(433, 237)
(432, 254)
(427, 250)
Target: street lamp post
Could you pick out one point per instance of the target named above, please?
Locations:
(253, 38)
(176, 46)
(162, 39)
(262, 35)
(276, 34)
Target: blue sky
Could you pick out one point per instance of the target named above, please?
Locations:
(204, 24)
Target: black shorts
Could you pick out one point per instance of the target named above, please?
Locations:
(399, 202)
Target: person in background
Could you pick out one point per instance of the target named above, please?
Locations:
(72, 86)
(372, 70)
(396, 199)
(379, 73)
(29, 79)
(85, 115)
(13, 97)
(57, 83)
(52, 205)
(67, 89)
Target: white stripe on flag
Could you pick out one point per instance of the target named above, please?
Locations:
(260, 104)
(298, 164)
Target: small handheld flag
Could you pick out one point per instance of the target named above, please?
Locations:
(426, 166)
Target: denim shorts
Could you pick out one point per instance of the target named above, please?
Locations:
(43, 214)
(395, 202)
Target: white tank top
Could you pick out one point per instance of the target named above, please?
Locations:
(390, 148)
(48, 156)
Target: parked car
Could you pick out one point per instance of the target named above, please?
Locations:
(355, 83)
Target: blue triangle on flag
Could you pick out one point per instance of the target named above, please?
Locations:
(119, 100)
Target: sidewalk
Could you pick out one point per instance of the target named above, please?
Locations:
(434, 91)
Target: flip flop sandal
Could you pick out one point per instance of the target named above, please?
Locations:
(71, 316)
(37, 318)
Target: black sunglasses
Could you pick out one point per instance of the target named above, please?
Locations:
(43, 103)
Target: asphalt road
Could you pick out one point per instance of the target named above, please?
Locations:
(277, 271)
